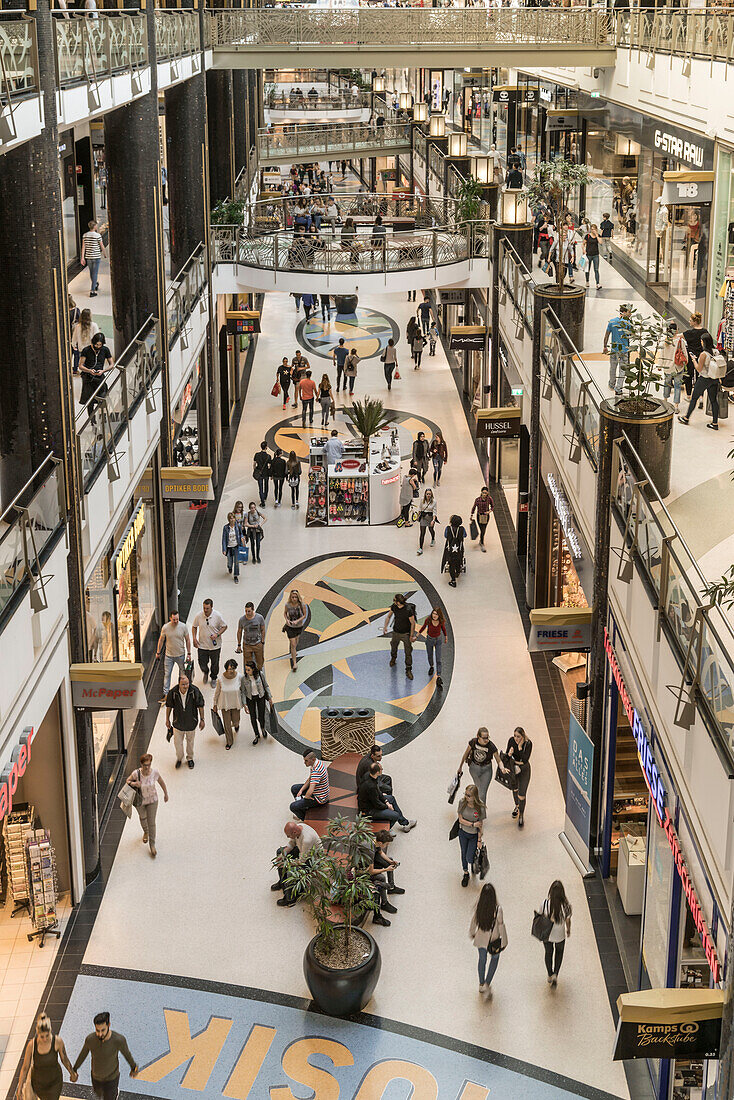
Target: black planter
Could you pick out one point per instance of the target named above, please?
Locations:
(569, 307)
(650, 433)
(346, 303)
(342, 992)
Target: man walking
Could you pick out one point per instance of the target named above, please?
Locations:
(175, 634)
(105, 1047)
(618, 329)
(425, 312)
(315, 791)
(261, 471)
(185, 701)
(307, 393)
(207, 630)
(339, 355)
(251, 633)
(403, 615)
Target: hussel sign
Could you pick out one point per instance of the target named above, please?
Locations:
(108, 685)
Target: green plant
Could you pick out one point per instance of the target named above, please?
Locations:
(368, 418)
(228, 212)
(336, 874)
(642, 373)
(553, 184)
(469, 200)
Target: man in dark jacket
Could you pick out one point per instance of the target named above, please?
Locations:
(278, 472)
(261, 471)
(186, 702)
(372, 802)
(384, 784)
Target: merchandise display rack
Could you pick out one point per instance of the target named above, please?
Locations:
(16, 827)
(317, 504)
(727, 334)
(348, 496)
(44, 888)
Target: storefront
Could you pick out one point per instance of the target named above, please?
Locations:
(185, 419)
(81, 159)
(669, 927)
(722, 235)
(512, 451)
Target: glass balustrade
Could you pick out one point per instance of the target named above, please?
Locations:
(27, 526)
(19, 55)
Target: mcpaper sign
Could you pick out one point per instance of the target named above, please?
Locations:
(14, 770)
(669, 1023)
(108, 685)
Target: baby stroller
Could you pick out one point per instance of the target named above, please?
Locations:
(454, 558)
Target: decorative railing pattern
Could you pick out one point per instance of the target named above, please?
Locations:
(323, 141)
(87, 49)
(269, 215)
(19, 56)
(346, 102)
(687, 32)
(176, 34)
(184, 293)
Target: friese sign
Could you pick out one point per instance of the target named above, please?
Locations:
(108, 685)
(14, 770)
(559, 628)
(669, 1023)
(187, 483)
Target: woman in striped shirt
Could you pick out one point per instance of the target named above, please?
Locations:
(93, 250)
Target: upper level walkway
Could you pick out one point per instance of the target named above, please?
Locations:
(332, 142)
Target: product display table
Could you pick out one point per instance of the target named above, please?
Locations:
(353, 491)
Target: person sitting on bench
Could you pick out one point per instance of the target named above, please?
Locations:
(302, 840)
(372, 802)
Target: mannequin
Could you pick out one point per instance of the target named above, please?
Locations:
(662, 218)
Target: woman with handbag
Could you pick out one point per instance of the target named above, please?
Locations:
(294, 613)
(254, 524)
(228, 696)
(519, 748)
(557, 908)
(326, 400)
(479, 754)
(144, 781)
(293, 473)
(439, 456)
(427, 519)
(255, 693)
(472, 813)
(41, 1063)
(232, 540)
(350, 370)
(283, 377)
(487, 930)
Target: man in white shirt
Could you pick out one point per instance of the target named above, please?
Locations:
(207, 630)
(175, 635)
(333, 449)
(302, 840)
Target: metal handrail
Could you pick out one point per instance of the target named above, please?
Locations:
(87, 49)
(176, 33)
(684, 32)
(18, 57)
(322, 141)
(291, 103)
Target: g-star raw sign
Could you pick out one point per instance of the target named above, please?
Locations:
(679, 148)
(14, 770)
(669, 1023)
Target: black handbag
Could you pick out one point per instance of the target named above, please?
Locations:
(507, 779)
(138, 796)
(473, 530)
(453, 788)
(480, 866)
(218, 723)
(454, 830)
(541, 927)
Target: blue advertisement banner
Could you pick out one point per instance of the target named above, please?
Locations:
(579, 774)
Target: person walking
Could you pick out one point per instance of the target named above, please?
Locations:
(425, 314)
(558, 908)
(710, 367)
(144, 779)
(315, 791)
(228, 697)
(326, 400)
(41, 1062)
(606, 226)
(255, 693)
(299, 366)
(254, 524)
(389, 361)
(307, 393)
(408, 491)
(672, 359)
(453, 553)
(283, 375)
(417, 345)
(419, 457)
(325, 299)
(427, 518)
(471, 814)
(293, 473)
(184, 701)
(487, 931)
(402, 615)
(693, 337)
(81, 335)
(434, 628)
(350, 370)
(478, 755)
(251, 635)
(261, 471)
(95, 360)
(618, 330)
(439, 456)
(175, 635)
(295, 613)
(339, 358)
(207, 630)
(105, 1047)
(93, 250)
(483, 506)
(519, 748)
(278, 473)
(411, 328)
(591, 251)
(232, 539)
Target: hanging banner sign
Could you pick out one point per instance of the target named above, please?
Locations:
(187, 483)
(127, 542)
(669, 1023)
(504, 93)
(467, 337)
(144, 488)
(453, 296)
(687, 188)
(498, 423)
(579, 778)
(14, 770)
(243, 321)
(563, 628)
(108, 685)
(562, 120)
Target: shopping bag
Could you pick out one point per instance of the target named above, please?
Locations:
(127, 799)
(453, 788)
(723, 401)
(243, 553)
(189, 670)
(480, 866)
(473, 530)
(275, 392)
(541, 927)
(507, 779)
(218, 723)
(396, 376)
(581, 262)
(454, 830)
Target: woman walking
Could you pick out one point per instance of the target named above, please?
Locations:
(390, 361)
(254, 523)
(41, 1061)
(326, 400)
(350, 369)
(239, 512)
(710, 367)
(255, 693)
(478, 754)
(427, 518)
(145, 779)
(672, 359)
(295, 613)
(284, 377)
(293, 473)
(483, 506)
(227, 695)
(487, 930)
(232, 539)
(96, 360)
(519, 748)
(558, 908)
(439, 456)
(471, 814)
(408, 491)
(453, 553)
(591, 251)
(81, 335)
(417, 345)
(434, 627)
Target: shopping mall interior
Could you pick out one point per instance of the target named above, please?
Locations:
(288, 811)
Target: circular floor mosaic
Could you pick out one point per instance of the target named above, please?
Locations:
(290, 436)
(367, 330)
(343, 656)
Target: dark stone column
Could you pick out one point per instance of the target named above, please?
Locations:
(242, 125)
(569, 307)
(186, 138)
(521, 239)
(219, 113)
(539, 305)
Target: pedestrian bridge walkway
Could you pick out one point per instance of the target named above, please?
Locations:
(332, 142)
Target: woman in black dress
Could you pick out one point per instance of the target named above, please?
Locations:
(519, 748)
(41, 1060)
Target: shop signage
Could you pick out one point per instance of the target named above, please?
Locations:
(14, 770)
(452, 297)
(561, 120)
(187, 483)
(530, 96)
(565, 515)
(467, 337)
(694, 905)
(498, 423)
(108, 685)
(677, 147)
(390, 480)
(559, 628)
(546, 94)
(579, 778)
(504, 93)
(144, 488)
(688, 188)
(669, 1023)
(243, 321)
(129, 539)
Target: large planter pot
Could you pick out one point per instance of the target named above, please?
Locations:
(569, 306)
(651, 434)
(342, 992)
(346, 303)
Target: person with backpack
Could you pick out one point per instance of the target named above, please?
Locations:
(402, 615)
(453, 554)
(488, 932)
(557, 908)
(711, 366)
(417, 345)
(672, 359)
(483, 506)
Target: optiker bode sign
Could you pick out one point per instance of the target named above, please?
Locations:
(15, 770)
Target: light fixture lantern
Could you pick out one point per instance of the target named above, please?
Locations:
(481, 169)
(378, 84)
(420, 112)
(405, 101)
(457, 144)
(437, 126)
(514, 207)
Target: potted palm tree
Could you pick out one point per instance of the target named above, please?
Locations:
(342, 962)
(369, 418)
